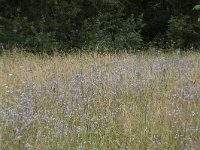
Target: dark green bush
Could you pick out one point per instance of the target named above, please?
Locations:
(113, 30)
(197, 7)
(184, 32)
(46, 25)
(21, 31)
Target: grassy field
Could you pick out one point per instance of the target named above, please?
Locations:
(100, 102)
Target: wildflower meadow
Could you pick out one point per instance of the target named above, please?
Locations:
(100, 101)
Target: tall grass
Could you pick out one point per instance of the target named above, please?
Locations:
(100, 101)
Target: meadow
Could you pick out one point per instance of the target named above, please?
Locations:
(100, 101)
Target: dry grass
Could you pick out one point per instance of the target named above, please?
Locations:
(100, 101)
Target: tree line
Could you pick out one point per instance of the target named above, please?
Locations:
(46, 25)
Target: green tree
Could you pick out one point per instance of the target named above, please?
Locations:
(58, 24)
(197, 7)
(113, 30)
(184, 32)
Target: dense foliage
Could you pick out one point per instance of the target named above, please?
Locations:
(110, 24)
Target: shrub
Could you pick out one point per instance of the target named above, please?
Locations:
(23, 32)
(197, 7)
(184, 32)
(113, 30)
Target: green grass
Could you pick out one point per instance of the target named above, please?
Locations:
(96, 101)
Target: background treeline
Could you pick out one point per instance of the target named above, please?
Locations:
(46, 25)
